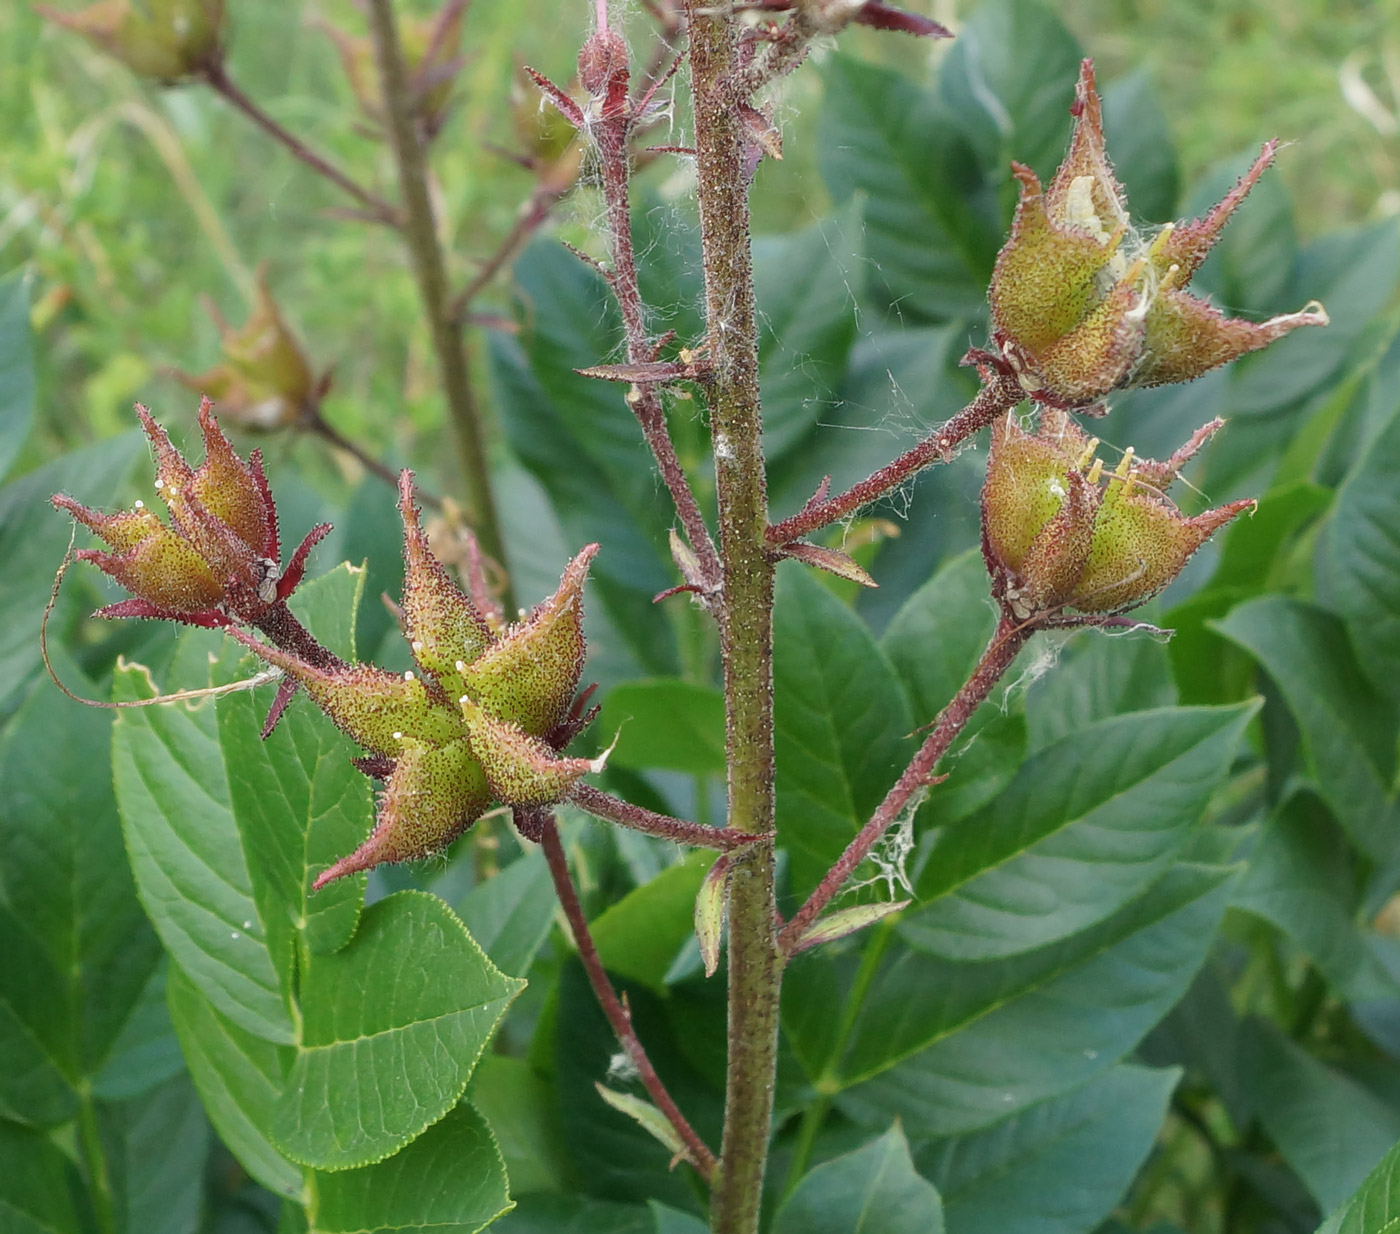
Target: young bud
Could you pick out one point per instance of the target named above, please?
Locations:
(711, 903)
(217, 560)
(264, 379)
(166, 40)
(432, 55)
(602, 63)
(1082, 304)
(1061, 532)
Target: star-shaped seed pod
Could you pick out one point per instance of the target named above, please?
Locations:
(480, 721)
(1083, 304)
(217, 560)
(1061, 533)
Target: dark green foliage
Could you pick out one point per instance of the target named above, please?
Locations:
(1148, 978)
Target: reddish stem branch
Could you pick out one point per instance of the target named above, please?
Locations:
(314, 422)
(699, 1155)
(613, 133)
(636, 818)
(1001, 651)
(534, 212)
(216, 74)
(997, 396)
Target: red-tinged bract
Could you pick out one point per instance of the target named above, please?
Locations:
(216, 562)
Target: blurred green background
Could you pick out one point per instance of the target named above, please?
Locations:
(131, 203)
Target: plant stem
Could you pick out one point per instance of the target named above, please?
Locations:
(998, 395)
(95, 1162)
(1001, 651)
(312, 421)
(745, 617)
(429, 269)
(700, 1156)
(828, 1082)
(612, 133)
(638, 818)
(532, 214)
(216, 74)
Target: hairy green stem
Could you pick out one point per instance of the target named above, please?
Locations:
(430, 271)
(745, 615)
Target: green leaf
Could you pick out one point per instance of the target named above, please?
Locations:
(1140, 144)
(1330, 1129)
(672, 1221)
(450, 1180)
(240, 1078)
(1348, 729)
(575, 1214)
(509, 914)
(155, 1147)
(1302, 878)
(1207, 667)
(802, 283)
(937, 637)
(188, 858)
(1086, 826)
(1251, 552)
(874, 1190)
(1009, 81)
(640, 935)
(1098, 676)
(618, 1159)
(665, 723)
(1359, 569)
(1058, 1167)
(78, 949)
(840, 721)
(1375, 1206)
(952, 1047)
(33, 537)
(16, 368)
(1353, 272)
(298, 802)
(146, 1052)
(929, 248)
(392, 1026)
(38, 1185)
(580, 439)
(519, 1108)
